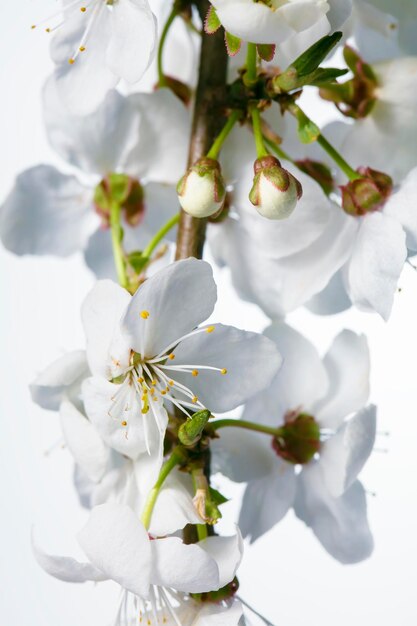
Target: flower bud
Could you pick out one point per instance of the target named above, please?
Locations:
(190, 431)
(366, 194)
(201, 191)
(299, 439)
(275, 191)
(126, 191)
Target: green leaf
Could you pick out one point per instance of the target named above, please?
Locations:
(212, 22)
(217, 497)
(323, 76)
(233, 44)
(310, 60)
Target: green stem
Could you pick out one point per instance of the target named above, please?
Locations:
(337, 158)
(175, 458)
(259, 428)
(165, 30)
(251, 74)
(202, 531)
(116, 238)
(214, 151)
(257, 131)
(160, 235)
(281, 154)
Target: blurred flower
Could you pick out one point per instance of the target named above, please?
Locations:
(313, 463)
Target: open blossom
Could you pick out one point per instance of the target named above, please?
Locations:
(292, 25)
(325, 437)
(51, 212)
(96, 44)
(146, 355)
(157, 575)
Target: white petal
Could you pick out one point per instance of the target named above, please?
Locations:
(340, 524)
(348, 369)
(47, 213)
(333, 299)
(83, 85)
(183, 567)
(340, 10)
(218, 615)
(251, 361)
(107, 416)
(241, 455)
(174, 507)
(117, 543)
(49, 387)
(377, 260)
(227, 552)
(132, 41)
(252, 21)
(99, 143)
(177, 299)
(402, 206)
(161, 150)
(66, 568)
(267, 500)
(101, 313)
(84, 442)
(343, 456)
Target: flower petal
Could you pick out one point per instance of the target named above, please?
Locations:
(377, 259)
(183, 567)
(177, 299)
(333, 299)
(348, 370)
(47, 213)
(343, 456)
(84, 442)
(241, 455)
(267, 500)
(117, 543)
(219, 615)
(250, 362)
(99, 143)
(340, 524)
(227, 552)
(132, 41)
(402, 207)
(101, 313)
(66, 568)
(48, 389)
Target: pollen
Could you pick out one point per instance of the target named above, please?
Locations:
(195, 399)
(163, 392)
(141, 380)
(153, 382)
(210, 329)
(171, 382)
(47, 30)
(82, 48)
(194, 372)
(83, 9)
(145, 410)
(172, 356)
(33, 26)
(124, 423)
(223, 371)
(144, 315)
(71, 61)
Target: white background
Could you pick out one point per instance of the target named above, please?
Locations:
(286, 574)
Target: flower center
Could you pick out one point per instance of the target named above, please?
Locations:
(299, 439)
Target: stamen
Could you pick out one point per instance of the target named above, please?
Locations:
(194, 372)
(163, 354)
(144, 315)
(210, 329)
(223, 371)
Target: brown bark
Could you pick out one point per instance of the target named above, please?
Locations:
(207, 122)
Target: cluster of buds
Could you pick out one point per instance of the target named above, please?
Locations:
(275, 192)
(202, 191)
(367, 193)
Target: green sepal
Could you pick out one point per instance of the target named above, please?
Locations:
(119, 187)
(137, 261)
(217, 497)
(266, 51)
(324, 75)
(307, 130)
(191, 430)
(233, 44)
(212, 22)
(254, 195)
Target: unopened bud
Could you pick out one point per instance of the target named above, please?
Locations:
(125, 191)
(201, 191)
(275, 191)
(366, 194)
(190, 431)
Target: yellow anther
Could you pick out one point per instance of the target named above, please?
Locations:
(171, 382)
(145, 410)
(33, 26)
(124, 423)
(83, 9)
(210, 329)
(195, 399)
(47, 30)
(152, 390)
(194, 372)
(82, 48)
(71, 61)
(141, 380)
(153, 382)
(163, 392)
(144, 315)
(172, 356)
(223, 371)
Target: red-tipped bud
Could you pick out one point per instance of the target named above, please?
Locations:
(275, 192)
(366, 194)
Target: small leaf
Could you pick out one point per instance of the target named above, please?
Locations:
(323, 76)
(137, 261)
(212, 22)
(266, 51)
(310, 60)
(217, 497)
(233, 44)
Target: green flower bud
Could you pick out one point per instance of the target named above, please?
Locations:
(299, 439)
(201, 191)
(190, 431)
(275, 191)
